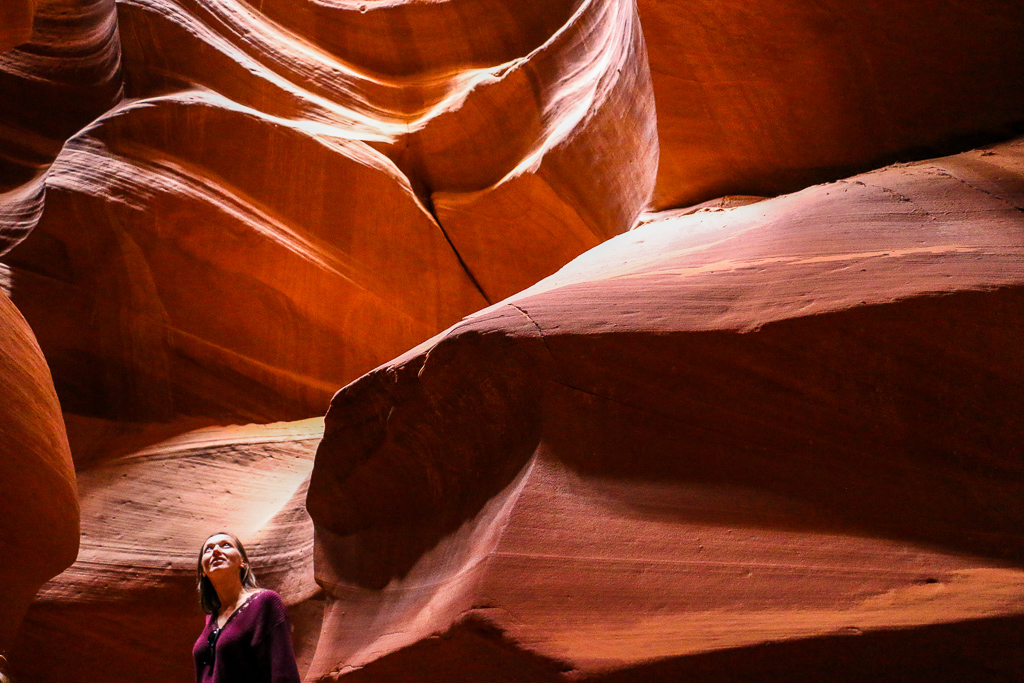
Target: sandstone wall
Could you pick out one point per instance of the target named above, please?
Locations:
(771, 97)
(38, 501)
(723, 424)
(789, 419)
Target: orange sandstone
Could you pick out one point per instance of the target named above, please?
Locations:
(38, 500)
(790, 419)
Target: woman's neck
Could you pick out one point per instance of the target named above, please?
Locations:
(229, 594)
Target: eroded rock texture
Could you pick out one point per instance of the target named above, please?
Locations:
(527, 129)
(216, 213)
(798, 418)
(38, 502)
(745, 421)
(275, 212)
(64, 72)
(762, 98)
(128, 605)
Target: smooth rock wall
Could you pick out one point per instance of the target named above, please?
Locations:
(265, 216)
(15, 23)
(356, 207)
(580, 148)
(766, 98)
(791, 419)
(741, 422)
(38, 500)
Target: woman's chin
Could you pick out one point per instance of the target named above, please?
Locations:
(218, 571)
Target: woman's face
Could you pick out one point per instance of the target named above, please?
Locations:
(220, 554)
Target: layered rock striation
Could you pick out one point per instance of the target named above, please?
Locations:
(62, 72)
(485, 108)
(742, 422)
(772, 97)
(345, 197)
(38, 498)
(215, 213)
(791, 419)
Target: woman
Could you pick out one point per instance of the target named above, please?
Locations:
(247, 638)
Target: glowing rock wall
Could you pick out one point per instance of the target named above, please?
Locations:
(719, 426)
(38, 501)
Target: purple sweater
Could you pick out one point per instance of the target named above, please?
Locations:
(255, 645)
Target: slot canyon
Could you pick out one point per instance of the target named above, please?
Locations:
(617, 341)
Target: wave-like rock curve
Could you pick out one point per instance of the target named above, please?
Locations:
(64, 75)
(38, 500)
(784, 420)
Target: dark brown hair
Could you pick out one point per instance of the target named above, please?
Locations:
(208, 599)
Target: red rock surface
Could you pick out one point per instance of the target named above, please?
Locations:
(384, 80)
(194, 298)
(62, 75)
(268, 215)
(744, 421)
(796, 418)
(38, 502)
(361, 206)
(766, 98)
(15, 23)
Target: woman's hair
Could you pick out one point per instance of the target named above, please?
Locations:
(208, 599)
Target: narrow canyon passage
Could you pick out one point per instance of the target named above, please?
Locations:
(667, 340)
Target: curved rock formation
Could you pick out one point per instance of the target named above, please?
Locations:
(744, 421)
(268, 215)
(248, 299)
(528, 129)
(38, 500)
(315, 200)
(792, 419)
(129, 603)
(770, 98)
(61, 77)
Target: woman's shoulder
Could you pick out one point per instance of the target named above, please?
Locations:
(267, 600)
(268, 609)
